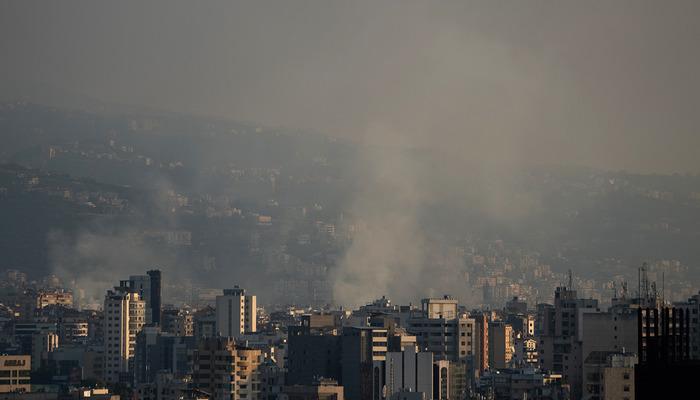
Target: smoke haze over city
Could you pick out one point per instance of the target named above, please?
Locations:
(349, 200)
(446, 103)
(607, 85)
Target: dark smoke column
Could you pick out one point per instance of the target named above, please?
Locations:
(155, 302)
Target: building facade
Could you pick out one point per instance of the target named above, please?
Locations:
(124, 317)
(236, 313)
(14, 373)
(227, 371)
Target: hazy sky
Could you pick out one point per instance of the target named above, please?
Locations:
(604, 83)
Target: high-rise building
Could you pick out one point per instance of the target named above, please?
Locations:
(665, 368)
(227, 371)
(500, 344)
(692, 308)
(177, 322)
(481, 343)
(444, 332)
(158, 352)
(235, 313)
(149, 289)
(361, 347)
(312, 352)
(155, 302)
(43, 343)
(124, 317)
(561, 334)
(525, 353)
(614, 330)
(406, 371)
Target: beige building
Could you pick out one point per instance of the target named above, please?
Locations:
(445, 307)
(227, 371)
(609, 375)
(618, 377)
(124, 317)
(44, 299)
(14, 374)
(236, 313)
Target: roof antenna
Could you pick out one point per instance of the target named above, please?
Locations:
(663, 288)
(571, 281)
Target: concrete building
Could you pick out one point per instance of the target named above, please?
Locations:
(449, 339)
(313, 353)
(167, 386)
(692, 308)
(324, 389)
(481, 343)
(149, 289)
(177, 322)
(361, 347)
(14, 373)
(561, 334)
(609, 376)
(73, 329)
(500, 344)
(398, 313)
(612, 331)
(524, 383)
(204, 322)
(408, 370)
(43, 343)
(158, 352)
(93, 394)
(90, 359)
(413, 374)
(124, 317)
(516, 306)
(236, 313)
(25, 331)
(227, 371)
(440, 308)
(61, 298)
(272, 378)
(525, 351)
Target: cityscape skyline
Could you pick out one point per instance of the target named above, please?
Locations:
(350, 200)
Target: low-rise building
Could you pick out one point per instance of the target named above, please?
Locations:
(15, 373)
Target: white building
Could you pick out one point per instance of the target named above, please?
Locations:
(235, 313)
(124, 316)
